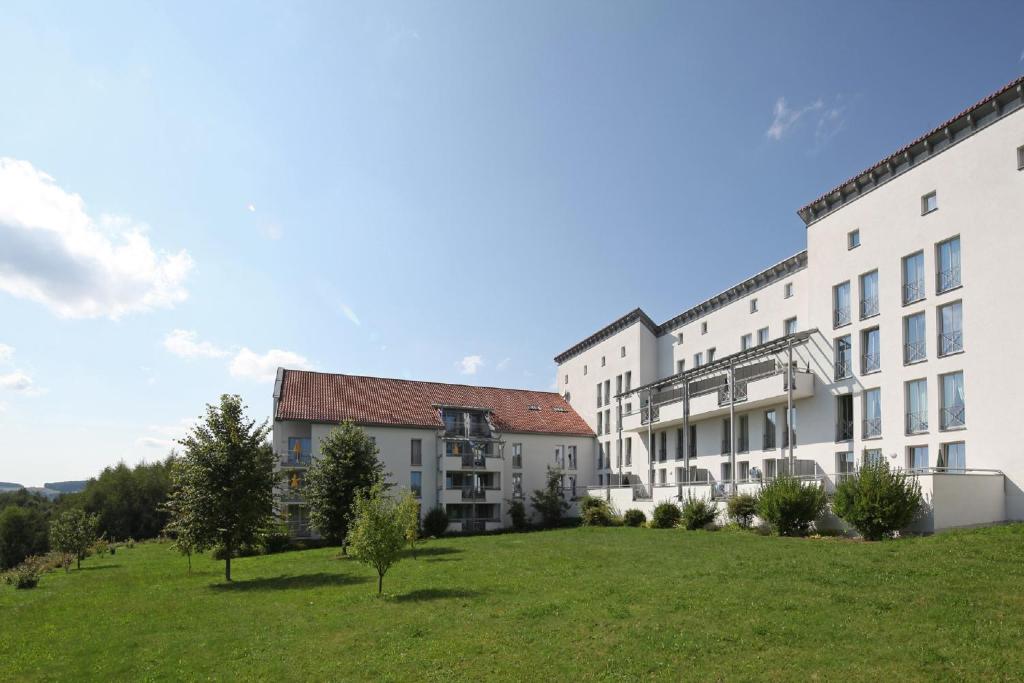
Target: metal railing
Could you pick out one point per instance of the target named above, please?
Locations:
(915, 351)
(646, 417)
(473, 494)
(844, 430)
(953, 417)
(913, 291)
(868, 307)
(738, 393)
(292, 459)
(843, 369)
(768, 441)
(726, 446)
(840, 317)
(917, 422)
(951, 342)
(468, 431)
(871, 362)
(948, 279)
(299, 529)
(872, 427)
(473, 460)
(291, 496)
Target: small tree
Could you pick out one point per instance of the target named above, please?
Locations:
(665, 516)
(549, 502)
(789, 506)
(435, 523)
(634, 518)
(71, 534)
(877, 501)
(517, 513)
(409, 510)
(742, 508)
(347, 464)
(697, 513)
(222, 486)
(377, 535)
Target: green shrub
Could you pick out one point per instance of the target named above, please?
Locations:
(435, 523)
(789, 506)
(877, 501)
(595, 512)
(634, 518)
(26, 575)
(697, 513)
(101, 547)
(517, 513)
(277, 541)
(742, 508)
(665, 516)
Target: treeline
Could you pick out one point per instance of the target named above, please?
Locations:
(128, 502)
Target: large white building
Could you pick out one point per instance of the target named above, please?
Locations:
(895, 327)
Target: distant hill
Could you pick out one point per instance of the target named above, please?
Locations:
(65, 486)
(50, 489)
(10, 486)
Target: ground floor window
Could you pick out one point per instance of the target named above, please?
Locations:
(953, 457)
(917, 458)
(873, 456)
(416, 483)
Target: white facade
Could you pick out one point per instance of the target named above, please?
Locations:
(954, 428)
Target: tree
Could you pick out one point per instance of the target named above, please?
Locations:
(517, 513)
(129, 501)
(549, 502)
(180, 527)
(222, 487)
(409, 509)
(347, 465)
(72, 533)
(22, 534)
(877, 500)
(377, 535)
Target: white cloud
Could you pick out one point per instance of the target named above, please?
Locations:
(165, 437)
(251, 207)
(503, 363)
(470, 364)
(351, 315)
(785, 118)
(153, 442)
(185, 343)
(6, 352)
(54, 253)
(16, 381)
(263, 367)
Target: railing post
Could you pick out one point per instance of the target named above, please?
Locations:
(789, 402)
(732, 429)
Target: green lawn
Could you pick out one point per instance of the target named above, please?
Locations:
(614, 604)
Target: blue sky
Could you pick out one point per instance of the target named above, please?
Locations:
(193, 193)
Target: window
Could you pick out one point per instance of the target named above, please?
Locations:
(607, 391)
(753, 305)
(915, 345)
(853, 239)
(917, 458)
(711, 355)
(600, 456)
(744, 436)
(917, 406)
(845, 466)
(602, 361)
(869, 294)
(844, 417)
(661, 475)
(789, 326)
(680, 366)
(599, 403)
(618, 384)
(608, 422)
(873, 456)
(871, 351)
(618, 454)
(762, 336)
(572, 457)
(789, 427)
(952, 414)
(746, 341)
(872, 414)
(629, 379)
(517, 455)
(743, 470)
(841, 304)
(929, 203)
(951, 333)
(679, 443)
(416, 483)
(600, 479)
(769, 429)
(566, 379)
(622, 352)
(691, 443)
(618, 417)
(679, 474)
(1020, 158)
(947, 265)
(663, 447)
(679, 338)
(913, 278)
(726, 472)
(600, 422)
(584, 369)
(416, 455)
(953, 457)
(300, 450)
(698, 359)
(726, 436)
(787, 290)
(559, 455)
(517, 484)
(704, 328)
(629, 451)
(843, 357)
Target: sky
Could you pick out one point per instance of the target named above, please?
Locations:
(194, 193)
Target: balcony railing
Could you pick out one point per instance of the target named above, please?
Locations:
(843, 369)
(472, 431)
(868, 307)
(872, 427)
(477, 525)
(743, 444)
(299, 529)
(844, 430)
(291, 496)
(915, 351)
(840, 317)
(473, 494)
(662, 455)
(913, 291)
(917, 422)
(473, 460)
(948, 279)
(726, 446)
(871, 362)
(739, 393)
(768, 441)
(951, 342)
(645, 417)
(952, 418)
(292, 459)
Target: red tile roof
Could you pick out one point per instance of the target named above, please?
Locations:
(322, 397)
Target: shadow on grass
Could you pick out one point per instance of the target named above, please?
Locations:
(436, 594)
(93, 568)
(285, 582)
(432, 551)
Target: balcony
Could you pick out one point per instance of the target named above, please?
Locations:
(917, 422)
(291, 496)
(948, 279)
(952, 418)
(872, 428)
(844, 430)
(868, 307)
(951, 342)
(293, 459)
(913, 291)
(474, 494)
(871, 362)
(478, 526)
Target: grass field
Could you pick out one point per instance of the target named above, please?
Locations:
(613, 604)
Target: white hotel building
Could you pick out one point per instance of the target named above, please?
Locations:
(887, 338)
(895, 324)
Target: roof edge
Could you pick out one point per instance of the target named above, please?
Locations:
(609, 330)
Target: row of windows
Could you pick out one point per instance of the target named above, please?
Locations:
(952, 408)
(787, 293)
(952, 458)
(947, 277)
(623, 382)
(622, 354)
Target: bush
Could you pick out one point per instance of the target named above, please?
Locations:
(595, 512)
(634, 518)
(277, 541)
(697, 513)
(26, 575)
(517, 512)
(789, 507)
(665, 516)
(877, 501)
(101, 547)
(435, 523)
(742, 508)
